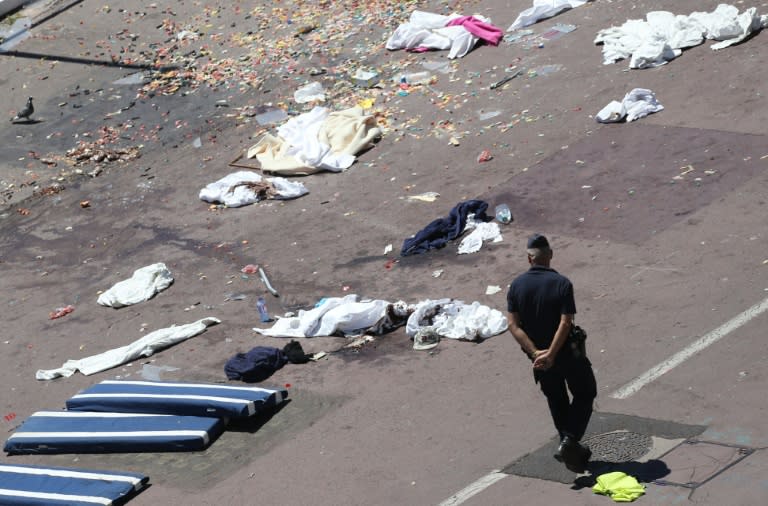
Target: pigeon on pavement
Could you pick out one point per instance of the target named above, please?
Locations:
(26, 112)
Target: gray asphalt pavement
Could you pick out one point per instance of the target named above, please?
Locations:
(659, 223)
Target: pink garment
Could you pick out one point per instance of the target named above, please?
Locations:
(486, 31)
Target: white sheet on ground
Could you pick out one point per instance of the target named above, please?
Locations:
(143, 285)
(144, 347)
(456, 320)
(543, 9)
(636, 104)
(425, 29)
(230, 192)
(662, 36)
(346, 315)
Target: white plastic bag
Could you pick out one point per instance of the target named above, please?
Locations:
(309, 93)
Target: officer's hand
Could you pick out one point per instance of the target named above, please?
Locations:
(543, 361)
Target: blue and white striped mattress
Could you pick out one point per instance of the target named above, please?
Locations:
(88, 432)
(55, 486)
(193, 399)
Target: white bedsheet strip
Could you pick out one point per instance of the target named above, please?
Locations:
(144, 347)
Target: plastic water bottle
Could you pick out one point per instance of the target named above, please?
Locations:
(413, 78)
(503, 214)
(261, 305)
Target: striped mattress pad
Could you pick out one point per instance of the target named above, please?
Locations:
(27, 485)
(49, 432)
(193, 399)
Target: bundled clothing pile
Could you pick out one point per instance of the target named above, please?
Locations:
(454, 319)
(662, 36)
(425, 31)
(245, 187)
(315, 141)
(636, 104)
(442, 230)
(261, 362)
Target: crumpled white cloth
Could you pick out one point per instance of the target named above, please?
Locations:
(143, 285)
(662, 36)
(456, 320)
(636, 104)
(219, 191)
(144, 347)
(346, 315)
(543, 9)
(481, 232)
(425, 29)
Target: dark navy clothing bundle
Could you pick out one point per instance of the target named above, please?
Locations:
(437, 234)
(260, 362)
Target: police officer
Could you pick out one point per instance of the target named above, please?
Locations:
(541, 307)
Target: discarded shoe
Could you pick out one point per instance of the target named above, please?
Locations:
(426, 339)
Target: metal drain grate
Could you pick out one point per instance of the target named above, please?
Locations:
(620, 446)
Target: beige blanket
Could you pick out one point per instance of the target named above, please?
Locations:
(341, 133)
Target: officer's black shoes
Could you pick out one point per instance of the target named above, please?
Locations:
(573, 455)
(580, 465)
(559, 453)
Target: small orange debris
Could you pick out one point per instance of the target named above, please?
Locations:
(484, 156)
(62, 311)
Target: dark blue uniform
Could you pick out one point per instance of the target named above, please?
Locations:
(540, 297)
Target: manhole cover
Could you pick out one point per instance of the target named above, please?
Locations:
(618, 447)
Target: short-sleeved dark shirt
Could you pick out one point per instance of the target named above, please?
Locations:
(540, 296)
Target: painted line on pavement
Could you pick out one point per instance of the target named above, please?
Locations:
(678, 358)
(474, 488)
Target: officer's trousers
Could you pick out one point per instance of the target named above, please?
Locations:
(570, 416)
